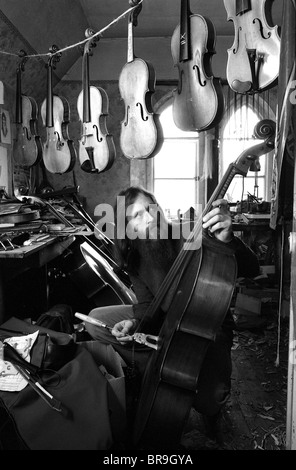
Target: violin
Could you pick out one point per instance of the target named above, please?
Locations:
(198, 100)
(27, 149)
(206, 279)
(141, 134)
(253, 59)
(96, 147)
(59, 153)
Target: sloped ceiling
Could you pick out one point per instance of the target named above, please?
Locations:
(43, 23)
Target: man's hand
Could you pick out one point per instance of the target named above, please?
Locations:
(123, 330)
(218, 221)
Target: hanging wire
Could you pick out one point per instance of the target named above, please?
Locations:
(98, 33)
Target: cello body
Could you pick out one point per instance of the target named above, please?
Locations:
(96, 146)
(198, 101)
(27, 149)
(141, 134)
(189, 326)
(59, 154)
(253, 59)
(199, 305)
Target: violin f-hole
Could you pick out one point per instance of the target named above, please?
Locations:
(99, 139)
(236, 48)
(261, 28)
(28, 136)
(126, 116)
(142, 112)
(59, 142)
(196, 67)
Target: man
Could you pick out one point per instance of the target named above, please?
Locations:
(147, 251)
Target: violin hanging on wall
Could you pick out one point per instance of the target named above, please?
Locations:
(59, 154)
(96, 147)
(198, 101)
(253, 59)
(141, 134)
(27, 147)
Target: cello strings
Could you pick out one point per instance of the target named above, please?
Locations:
(185, 254)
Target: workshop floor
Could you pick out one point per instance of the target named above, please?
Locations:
(255, 416)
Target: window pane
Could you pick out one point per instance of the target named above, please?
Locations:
(169, 127)
(175, 195)
(232, 150)
(240, 187)
(176, 160)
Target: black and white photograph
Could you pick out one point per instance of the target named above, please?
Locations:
(147, 229)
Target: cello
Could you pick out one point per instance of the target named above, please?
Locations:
(141, 135)
(96, 146)
(253, 59)
(198, 100)
(59, 154)
(27, 149)
(170, 382)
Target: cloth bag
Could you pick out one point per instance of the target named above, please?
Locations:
(28, 422)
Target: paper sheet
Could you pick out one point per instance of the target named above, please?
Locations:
(10, 379)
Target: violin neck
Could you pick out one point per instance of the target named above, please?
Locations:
(130, 42)
(18, 111)
(242, 6)
(49, 100)
(86, 92)
(185, 52)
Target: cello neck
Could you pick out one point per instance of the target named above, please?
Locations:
(185, 52)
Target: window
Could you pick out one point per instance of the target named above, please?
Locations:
(237, 136)
(175, 167)
(179, 175)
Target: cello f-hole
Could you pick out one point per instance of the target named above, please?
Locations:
(196, 67)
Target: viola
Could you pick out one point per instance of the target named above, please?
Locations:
(27, 148)
(195, 313)
(253, 59)
(141, 134)
(198, 100)
(96, 147)
(59, 153)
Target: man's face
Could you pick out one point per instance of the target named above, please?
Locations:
(142, 219)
